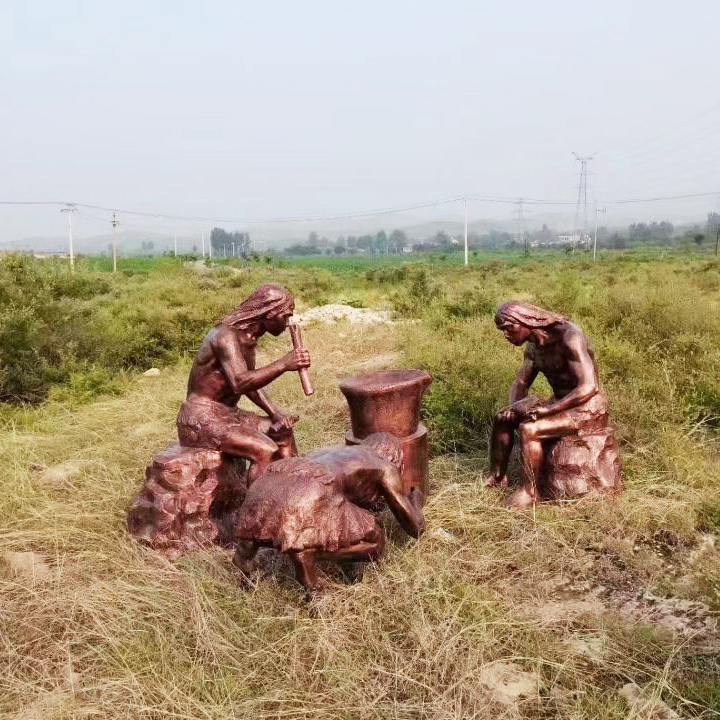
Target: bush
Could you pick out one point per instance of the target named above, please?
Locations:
(415, 299)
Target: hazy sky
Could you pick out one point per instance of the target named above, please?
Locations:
(247, 110)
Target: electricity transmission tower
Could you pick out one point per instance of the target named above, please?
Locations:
(520, 234)
(582, 198)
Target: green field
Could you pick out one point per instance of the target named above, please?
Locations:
(570, 602)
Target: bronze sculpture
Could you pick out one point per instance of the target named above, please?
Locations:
(189, 499)
(568, 448)
(193, 491)
(321, 507)
(389, 401)
(224, 371)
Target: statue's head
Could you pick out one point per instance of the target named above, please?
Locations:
(517, 320)
(272, 305)
(387, 447)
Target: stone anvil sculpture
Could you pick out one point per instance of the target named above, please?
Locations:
(193, 490)
(567, 445)
(389, 401)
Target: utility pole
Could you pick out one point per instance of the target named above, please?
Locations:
(466, 234)
(209, 246)
(717, 239)
(582, 195)
(232, 247)
(520, 236)
(70, 209)
(597, 210)
(114, 224)
(175, 245)
(203, 244)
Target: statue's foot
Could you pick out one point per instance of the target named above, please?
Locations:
(319, 583)
(307, 573)
(494, 481)
(520, 499)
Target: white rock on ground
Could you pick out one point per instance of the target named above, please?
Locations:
(332, 313)
(56, 476)
(152, 372)
(508, 682)
(27, 565)
(644, 705)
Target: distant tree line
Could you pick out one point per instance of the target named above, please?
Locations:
(398, 241)
(222, 242)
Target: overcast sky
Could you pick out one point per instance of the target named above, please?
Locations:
(248, 110)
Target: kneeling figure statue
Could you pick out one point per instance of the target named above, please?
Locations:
(568, 448)
(322, 506)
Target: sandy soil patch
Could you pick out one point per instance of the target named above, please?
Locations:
(644, 705)
(56, 476)
(332, 313)
(508, 683)
(27, 566)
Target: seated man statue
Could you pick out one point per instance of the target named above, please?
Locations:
(321, 506)
(560, 351)
(224, 370)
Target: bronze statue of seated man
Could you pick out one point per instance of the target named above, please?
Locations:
(321, 506)
(224, 371)
(578, 409)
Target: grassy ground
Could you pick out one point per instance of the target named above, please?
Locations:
(492, 614)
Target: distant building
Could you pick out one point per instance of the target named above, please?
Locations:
(407, 249)
(573, 239)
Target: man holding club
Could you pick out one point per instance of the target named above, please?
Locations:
(224, 371)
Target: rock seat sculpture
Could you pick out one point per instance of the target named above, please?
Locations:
(389, 401)
(190, 498)
(579, 466)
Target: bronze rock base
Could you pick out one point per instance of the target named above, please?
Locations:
(190, 499)
(577, 466)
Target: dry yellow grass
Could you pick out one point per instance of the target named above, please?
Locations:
(492, 614)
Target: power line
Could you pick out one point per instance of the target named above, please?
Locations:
(348, 215)
(665, 197)
(298, 218)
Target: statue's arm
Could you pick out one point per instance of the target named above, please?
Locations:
(407, 510)
(523, 381)
(581, 365)
(261, 399)
(242, 379)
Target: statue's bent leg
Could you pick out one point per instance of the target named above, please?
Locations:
(254, 446)
(531, 436)
(500, 448)
(284, 439)
(370, 548)
(306, 570)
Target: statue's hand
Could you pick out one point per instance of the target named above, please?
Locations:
(536, 413)
(283, 422)
(508, 415)
(417, 497)
(296, 360)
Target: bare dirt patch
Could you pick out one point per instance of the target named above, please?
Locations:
(508, 682)
(645, 705)
(28, 566)
(56, 476)
(333, 312)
